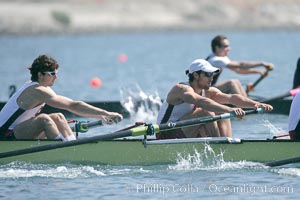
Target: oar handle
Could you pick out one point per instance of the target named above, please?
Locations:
(83, 127)
(247, 112)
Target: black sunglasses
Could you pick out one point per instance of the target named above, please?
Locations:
(208, 74)
(224, 46)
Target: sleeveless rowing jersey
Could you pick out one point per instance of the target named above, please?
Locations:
(294, 115)
(11, 114)
(220, 62)
(172, 113)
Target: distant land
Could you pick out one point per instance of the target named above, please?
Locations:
(101, 16)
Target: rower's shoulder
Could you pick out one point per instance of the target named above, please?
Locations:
(182, 87)
(41, 90)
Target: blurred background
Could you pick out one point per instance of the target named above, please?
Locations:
(94, 16)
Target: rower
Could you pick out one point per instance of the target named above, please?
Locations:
(196, 98)
(219, 58)
(294, 118)
(297, 75)
(20, 118)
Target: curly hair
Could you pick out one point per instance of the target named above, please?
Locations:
(43, 63)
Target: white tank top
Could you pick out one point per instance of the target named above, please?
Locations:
(294, 115)
(177, 111)
(12, 114)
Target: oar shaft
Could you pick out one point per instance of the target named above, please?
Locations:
(202, 120)
(258, 80)
(283, 162)
(251, 87)
(292, 92)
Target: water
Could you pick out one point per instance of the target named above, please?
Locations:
(155, 62)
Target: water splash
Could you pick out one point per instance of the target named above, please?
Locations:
(141, 106)
(17, 170)
(287, 171)
(28, 170)
(274, 131)
(209, 160)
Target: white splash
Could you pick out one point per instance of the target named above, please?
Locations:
(287, 171)
(209, 160)
(17, 170)
(199, 160)
(274, 131)
(141, 106)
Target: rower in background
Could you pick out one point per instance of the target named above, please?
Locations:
(294, 118)
(296, 83)
(219, 58)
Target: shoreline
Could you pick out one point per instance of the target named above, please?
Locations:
(29, 17)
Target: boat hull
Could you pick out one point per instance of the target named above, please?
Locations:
(133, 152)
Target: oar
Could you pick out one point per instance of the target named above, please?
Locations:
(292, 92)
(283, 162)
(250, 87)
(279, 136)
(83, 127)
(137, 131)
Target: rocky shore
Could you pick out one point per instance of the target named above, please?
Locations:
(97, 16)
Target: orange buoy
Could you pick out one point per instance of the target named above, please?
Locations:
(96, 82)
(123, 58)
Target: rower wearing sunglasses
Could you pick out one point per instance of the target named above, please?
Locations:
(220, 47)
(20, 118)
(196, 98)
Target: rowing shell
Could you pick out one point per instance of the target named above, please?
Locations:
(153, 152)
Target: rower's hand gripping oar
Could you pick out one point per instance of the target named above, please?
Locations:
(84, 126)
(203, 120)
(137, 131)
(251, 86)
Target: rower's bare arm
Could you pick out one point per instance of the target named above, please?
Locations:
(248, 64)
(247, 67)
(78, 107)
(244, 102)
(204, 102)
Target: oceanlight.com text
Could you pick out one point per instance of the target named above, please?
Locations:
(250, 189)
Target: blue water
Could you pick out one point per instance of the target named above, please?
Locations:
(155, 62)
